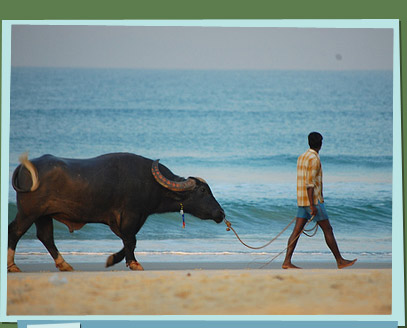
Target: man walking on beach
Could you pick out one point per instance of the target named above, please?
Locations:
(311, 202)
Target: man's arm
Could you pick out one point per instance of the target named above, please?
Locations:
(310, 192)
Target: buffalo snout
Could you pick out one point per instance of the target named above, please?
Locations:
(219, 216)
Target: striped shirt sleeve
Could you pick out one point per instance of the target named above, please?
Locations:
(311, 173)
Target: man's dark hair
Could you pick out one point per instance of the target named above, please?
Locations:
(315, 140)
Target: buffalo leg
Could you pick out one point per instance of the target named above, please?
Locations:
(129, 242)
(129, 246)
(115, 258)
(16, 230)
(45, 233)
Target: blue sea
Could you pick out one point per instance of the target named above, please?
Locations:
(241, 131)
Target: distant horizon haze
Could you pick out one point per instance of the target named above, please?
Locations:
(201, 48)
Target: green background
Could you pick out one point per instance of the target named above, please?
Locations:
(220, 9)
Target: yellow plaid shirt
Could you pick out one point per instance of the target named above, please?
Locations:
(309, 174)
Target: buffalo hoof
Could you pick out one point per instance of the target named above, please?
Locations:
(64, 266)
(110, 261)
(135, 266)
(13, 268)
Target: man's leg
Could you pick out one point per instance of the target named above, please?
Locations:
(292, 242)
(333, 246)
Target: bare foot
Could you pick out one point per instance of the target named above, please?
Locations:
(346, 263)
(289, 266)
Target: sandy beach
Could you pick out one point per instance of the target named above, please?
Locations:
(180, 289)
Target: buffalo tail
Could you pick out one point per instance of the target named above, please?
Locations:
(31, 169)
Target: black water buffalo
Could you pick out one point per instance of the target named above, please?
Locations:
(120, 190)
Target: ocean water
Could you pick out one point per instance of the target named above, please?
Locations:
(241, 131)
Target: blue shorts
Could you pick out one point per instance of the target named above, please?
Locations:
(305, 212)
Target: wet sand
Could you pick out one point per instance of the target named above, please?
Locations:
(199, 289)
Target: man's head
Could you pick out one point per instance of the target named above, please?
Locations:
(315, 140)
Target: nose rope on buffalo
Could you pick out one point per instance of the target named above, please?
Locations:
(314, 229)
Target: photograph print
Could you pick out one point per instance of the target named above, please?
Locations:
(132, 146)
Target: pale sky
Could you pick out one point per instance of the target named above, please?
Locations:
(202, 47)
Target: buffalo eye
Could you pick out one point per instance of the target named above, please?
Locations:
(203, 189)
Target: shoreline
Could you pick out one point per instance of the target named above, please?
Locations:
(197, 265)
(201, 292)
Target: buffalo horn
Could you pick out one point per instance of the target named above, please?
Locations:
(188, 184)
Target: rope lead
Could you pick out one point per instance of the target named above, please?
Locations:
(229, 227)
